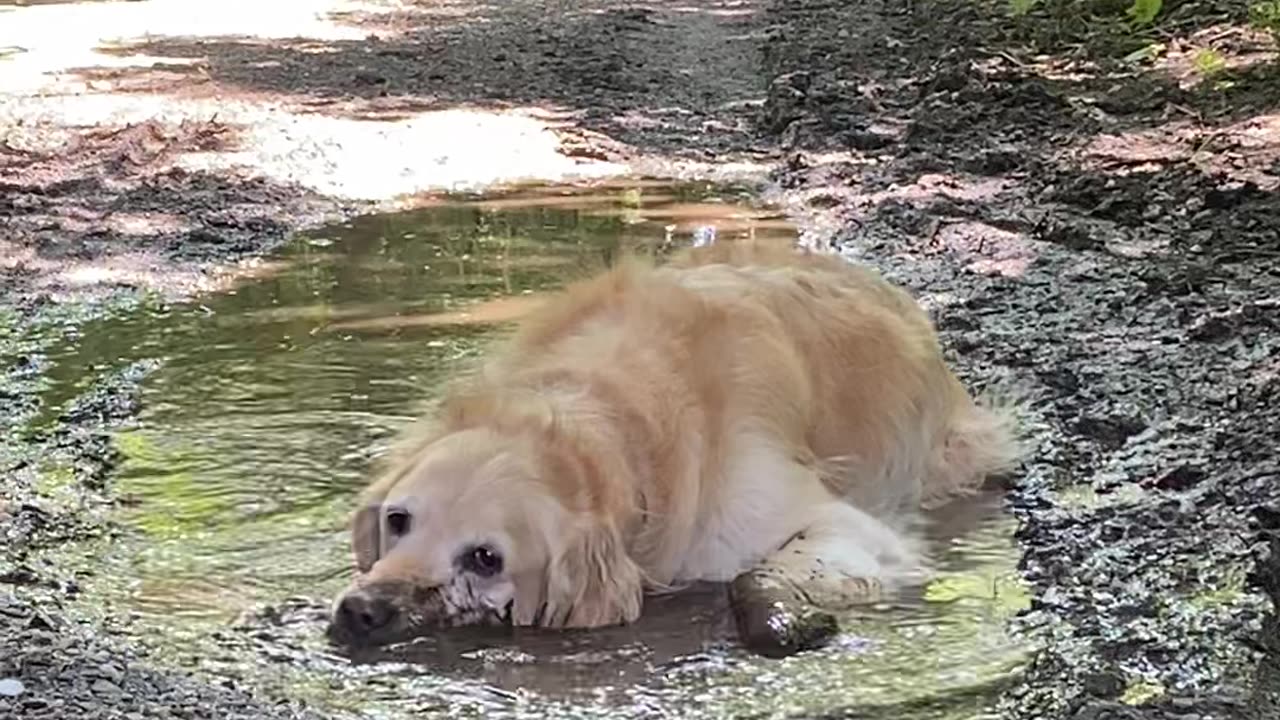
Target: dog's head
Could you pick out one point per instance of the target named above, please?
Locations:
(483, 526)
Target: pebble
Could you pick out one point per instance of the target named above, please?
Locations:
(11, 687)
(104, 687)
(110, 672)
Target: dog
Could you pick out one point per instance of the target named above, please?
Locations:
(741, 407)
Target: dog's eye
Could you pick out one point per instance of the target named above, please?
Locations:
(398, 522)
(482, 560)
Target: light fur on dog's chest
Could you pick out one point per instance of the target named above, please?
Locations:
(762, 501)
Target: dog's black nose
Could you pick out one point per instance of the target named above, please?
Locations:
(360, 613)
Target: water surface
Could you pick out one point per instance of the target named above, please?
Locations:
(271, 400)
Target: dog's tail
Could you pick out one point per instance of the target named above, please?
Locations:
(982, 439)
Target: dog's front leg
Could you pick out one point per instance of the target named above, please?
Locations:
(842, 558)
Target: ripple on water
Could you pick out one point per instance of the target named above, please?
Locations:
(258, 430)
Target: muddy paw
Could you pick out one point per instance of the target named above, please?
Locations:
(773, 621)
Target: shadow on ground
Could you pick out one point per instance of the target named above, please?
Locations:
(668, 79)
(107, 211)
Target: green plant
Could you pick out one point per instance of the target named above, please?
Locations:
(1147, 52)
(1140, 12)
(1265, 15)
(1144, 12)
(1209, 62)
(1021, 8)
(1118, 27)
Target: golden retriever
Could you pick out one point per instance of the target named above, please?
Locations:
(737, 408)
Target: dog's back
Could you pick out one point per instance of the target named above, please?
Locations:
(882, 391)
(849, 360)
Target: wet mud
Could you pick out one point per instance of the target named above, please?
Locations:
(1099, 237)
(1125, 285)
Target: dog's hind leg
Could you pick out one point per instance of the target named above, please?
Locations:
(842, 558)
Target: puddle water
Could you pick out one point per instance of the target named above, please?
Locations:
(258, 428)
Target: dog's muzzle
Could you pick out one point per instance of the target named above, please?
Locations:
(360, 615)
(387, 612)
(379, 613)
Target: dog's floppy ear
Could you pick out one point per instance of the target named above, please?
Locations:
(366, 522)
(366, 536)
(593, 582)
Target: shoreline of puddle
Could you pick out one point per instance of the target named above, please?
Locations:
(272, 398)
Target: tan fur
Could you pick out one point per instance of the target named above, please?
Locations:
(686, 422)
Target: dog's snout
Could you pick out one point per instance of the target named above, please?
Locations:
(360, 613)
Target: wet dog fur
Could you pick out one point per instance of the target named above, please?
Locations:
(739, 408)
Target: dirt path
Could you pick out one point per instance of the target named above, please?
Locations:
(209, 140)
(1103, 237)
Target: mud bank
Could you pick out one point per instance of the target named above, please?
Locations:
(1100, 238)
(56, 465)
(1070, 240)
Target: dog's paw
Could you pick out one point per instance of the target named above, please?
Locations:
(773, 620)
(834, 590)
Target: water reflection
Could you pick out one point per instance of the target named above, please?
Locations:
(259, 426)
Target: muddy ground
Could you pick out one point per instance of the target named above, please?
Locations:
(1101, 235)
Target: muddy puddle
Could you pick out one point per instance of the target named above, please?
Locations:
(270, 400)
